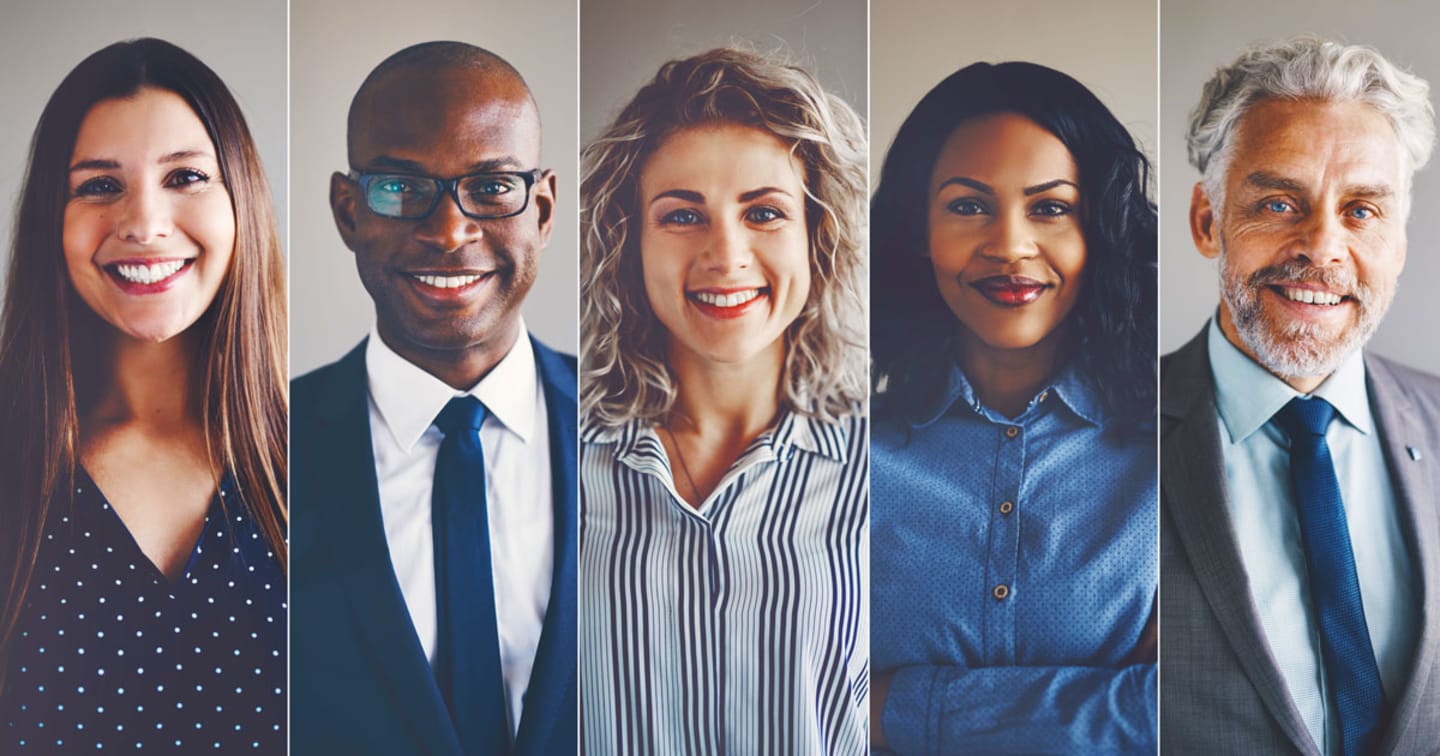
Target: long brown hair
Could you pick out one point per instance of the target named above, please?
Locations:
(46, 330)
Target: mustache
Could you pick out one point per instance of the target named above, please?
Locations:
(1299, 271)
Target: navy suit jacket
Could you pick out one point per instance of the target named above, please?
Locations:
(360, 682)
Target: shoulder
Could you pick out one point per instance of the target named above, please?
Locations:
(341, 377)
(1392, 378)
(556, 366)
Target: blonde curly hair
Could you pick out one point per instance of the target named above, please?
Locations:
(623, 375)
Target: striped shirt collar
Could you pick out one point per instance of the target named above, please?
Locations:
(639, 440)
(1075, 391)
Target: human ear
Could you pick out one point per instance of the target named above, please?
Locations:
(545, 193)
(1202, 222)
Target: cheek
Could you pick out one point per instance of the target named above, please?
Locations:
(209, 221)
(661, 271)
(85, 228)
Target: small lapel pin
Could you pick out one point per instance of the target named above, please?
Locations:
(1414, 453)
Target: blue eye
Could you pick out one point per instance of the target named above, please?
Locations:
(102, 186)
(681, 217)
(1361, 212)
(1277, 206)
(764, 214)
(966, 206)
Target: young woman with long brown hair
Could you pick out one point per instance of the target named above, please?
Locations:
(143, 421)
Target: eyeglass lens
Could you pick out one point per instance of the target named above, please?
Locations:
(482, 195)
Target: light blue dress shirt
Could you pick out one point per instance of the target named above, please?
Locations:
(1262, 509)
(1014, 570)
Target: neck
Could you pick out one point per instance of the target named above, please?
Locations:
(735, 401)
(1006, 379)
(1305, 384)
(461, 368)
(129, 391)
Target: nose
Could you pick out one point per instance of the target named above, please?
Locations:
(144, 216)
(1326, 240)
(1010, 238)
(447, 229)
(728, 248)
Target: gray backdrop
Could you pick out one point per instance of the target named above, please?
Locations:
(333, 45)
(44, 39)
(624, 42)
(1109, 45)
(1196, 39)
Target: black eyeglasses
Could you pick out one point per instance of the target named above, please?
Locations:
(481, 196)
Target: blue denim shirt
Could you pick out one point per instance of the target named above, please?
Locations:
(1014, 567)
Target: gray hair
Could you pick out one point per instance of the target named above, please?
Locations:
(1308, 67)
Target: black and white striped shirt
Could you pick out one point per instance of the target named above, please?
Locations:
(738, 628)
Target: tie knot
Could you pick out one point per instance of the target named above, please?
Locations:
(460, 413)
(1303, 415)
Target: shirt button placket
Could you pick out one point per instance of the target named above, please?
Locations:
(1004, 547)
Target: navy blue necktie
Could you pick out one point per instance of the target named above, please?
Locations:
(467, 656)
(1352, 677)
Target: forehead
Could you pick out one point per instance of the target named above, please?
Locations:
(446, 121)
(145, 126)
(1316, 143)
(1004, 148)
(721, 159)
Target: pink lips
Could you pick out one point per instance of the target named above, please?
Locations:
(1010, 291)
(137, 288)
(722, 312)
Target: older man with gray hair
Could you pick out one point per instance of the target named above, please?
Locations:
(1300, 542)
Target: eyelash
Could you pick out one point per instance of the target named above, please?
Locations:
(106, 186)
(1050, 208)
(689, 217)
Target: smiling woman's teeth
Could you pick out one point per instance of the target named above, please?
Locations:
(447, 282)
(148, 274)
(727, 300)
(1310, 296)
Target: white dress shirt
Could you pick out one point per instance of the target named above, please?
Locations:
(1267, 527)
(515, 436)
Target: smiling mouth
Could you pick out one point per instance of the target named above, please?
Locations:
(1010, 291)
(1309, 296)
(147, 276)
(727, 303)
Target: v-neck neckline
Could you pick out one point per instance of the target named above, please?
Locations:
(196, 549)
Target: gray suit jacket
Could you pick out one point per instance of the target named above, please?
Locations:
(1220, 689)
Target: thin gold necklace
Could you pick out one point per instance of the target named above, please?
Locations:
(695, 492)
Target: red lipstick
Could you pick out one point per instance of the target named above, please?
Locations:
(1010, 291)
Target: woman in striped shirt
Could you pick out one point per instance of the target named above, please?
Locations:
(724, 464)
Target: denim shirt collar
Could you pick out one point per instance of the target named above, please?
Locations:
(1075, 391)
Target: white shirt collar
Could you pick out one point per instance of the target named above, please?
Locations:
(408, 398)
(1248, 395)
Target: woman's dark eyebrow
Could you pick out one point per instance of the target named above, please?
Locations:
(1048, 185)
(978, 186)
(95, 165)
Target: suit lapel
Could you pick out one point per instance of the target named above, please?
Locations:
(345, 465)
(1415, 487)
(552, 680)
(1193, 480)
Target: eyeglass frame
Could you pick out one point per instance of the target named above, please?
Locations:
(450, 186)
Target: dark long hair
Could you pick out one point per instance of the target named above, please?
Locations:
(46, 331)
(912, 330)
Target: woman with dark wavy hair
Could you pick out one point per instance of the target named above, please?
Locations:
(142, 457)
(1013, 479)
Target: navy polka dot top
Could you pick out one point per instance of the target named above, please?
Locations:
(110, 656)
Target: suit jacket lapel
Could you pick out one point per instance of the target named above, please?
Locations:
(1415, 487)
(552, 680)
(346, 467)
(1192, 475)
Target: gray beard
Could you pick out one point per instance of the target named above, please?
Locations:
(1298, 349)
